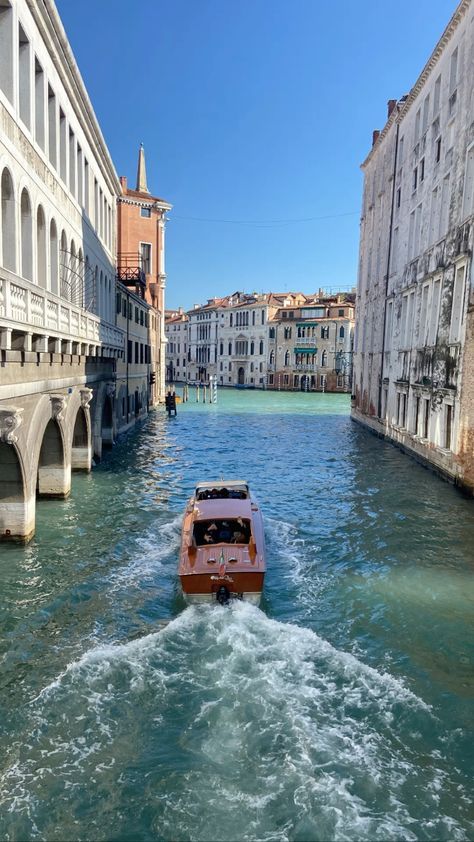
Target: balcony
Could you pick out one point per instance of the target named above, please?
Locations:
(30, 309)
(306, 367)
(306, 340)
(130, 271)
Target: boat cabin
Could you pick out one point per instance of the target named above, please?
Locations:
(232, 490)
(228, 531)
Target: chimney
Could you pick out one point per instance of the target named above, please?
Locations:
(375, 136)
(390, 106)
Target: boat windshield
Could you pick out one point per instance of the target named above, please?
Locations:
(223, 493)
(230, 531)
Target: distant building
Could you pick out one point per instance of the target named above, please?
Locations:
(132, 390)
(176, 332)
(311, 346)
(141, 258)
(414, 355)
(268, 340)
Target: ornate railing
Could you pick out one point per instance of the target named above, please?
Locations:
(25, 306)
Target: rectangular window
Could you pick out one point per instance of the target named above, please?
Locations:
(141, 353)
(457, 305)
(415, 179)
(96, 206)
(438, 149)
(426, 112)
(453, 71)
(80, 176)
(468, 196)
(411, 233)
(24, 76)
(124, 308)
(423, 315)
(52, 118)
(62, 146)
(417, 125)
(399, 197)
(136, 353)
(437, 95)
(403, 325)
(145, 257)
(39, 105)
(444, 210)
(119, 303)
(6, 49)
(145, 213)
(136, 315)
(422, 169)
(448, 426)
(142, 320)
(400, 151)
(130, 351)
(388, 326)
(416, 415)
(434, 314)
(426, 418)
(86, 187)
(72, 162)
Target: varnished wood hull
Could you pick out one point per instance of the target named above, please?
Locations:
(201, 587)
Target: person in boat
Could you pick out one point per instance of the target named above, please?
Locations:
(225, 533)
(238, 537)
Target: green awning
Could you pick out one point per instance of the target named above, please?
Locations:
(308, 349)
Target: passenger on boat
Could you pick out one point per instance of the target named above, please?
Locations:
(238, 537)
(225, 534)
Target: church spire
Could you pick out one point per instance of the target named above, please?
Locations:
(141, 172)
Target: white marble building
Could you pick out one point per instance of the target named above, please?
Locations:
(414, 358)
(58, 339)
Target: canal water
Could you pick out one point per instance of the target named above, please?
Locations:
(341, 710)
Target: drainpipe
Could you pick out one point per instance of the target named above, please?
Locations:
(389, 257)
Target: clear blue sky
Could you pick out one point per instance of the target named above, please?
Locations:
(251, 110)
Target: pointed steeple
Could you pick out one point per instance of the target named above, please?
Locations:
(141, 172)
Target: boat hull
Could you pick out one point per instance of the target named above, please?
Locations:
(199, 587)
(209, 598)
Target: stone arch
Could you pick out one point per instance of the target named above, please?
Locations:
(54, 478)
(26, 236)
(53, 257)
(241, 376)
(41, 255)
(81, 452)
(17, 513)
(8, 221)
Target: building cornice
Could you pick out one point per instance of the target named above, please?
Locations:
(52, 31)
(402, 108)
(142, 203)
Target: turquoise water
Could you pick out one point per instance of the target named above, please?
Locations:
(341, 710)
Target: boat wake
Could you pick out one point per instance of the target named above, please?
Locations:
(224, 725)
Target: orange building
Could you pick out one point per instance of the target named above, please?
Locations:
(141, 221)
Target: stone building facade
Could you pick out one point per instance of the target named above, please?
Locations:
(141, 256)
(59, 342)
(176, 332)
(203, 330)
(132, 390)
(414, 352)
(311, 347)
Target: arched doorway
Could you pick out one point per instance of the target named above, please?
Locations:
(305, 383)
(81, 454)
(241, 376)
(17, 514)
(107, 423)
(54, 479)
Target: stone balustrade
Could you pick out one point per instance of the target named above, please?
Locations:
(27, 308)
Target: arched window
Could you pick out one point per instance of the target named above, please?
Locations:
(230, 349)
(261, 346)
(341, 332)
(64, 264)
(41, 248)
(252, 346)
(26, 237)
(80, 271)
(324, 359)
(8, 222)
(231, 318)
(251, 366)
(253, 317)
(221, 349)
(53, 258)
(272, 357)
(287, 358)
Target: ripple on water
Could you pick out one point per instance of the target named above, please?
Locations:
(274, 734)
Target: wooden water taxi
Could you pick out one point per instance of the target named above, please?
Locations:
(222, 546)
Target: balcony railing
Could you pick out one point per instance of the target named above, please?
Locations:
(306, 340)
(24, 306)
(305, 367)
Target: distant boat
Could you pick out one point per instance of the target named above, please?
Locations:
(222, 546)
